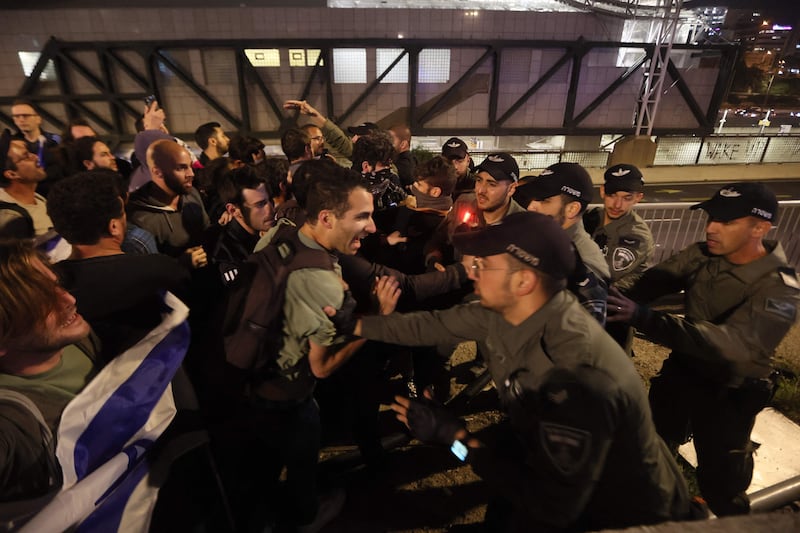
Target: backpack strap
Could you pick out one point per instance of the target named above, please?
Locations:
(268, 271)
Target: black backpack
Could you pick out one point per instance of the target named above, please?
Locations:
(252, 327)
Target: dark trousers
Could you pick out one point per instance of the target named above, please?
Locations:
(719, 419)
(253, 445)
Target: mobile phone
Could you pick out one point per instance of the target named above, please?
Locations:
(149, 99)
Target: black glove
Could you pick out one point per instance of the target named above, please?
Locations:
(430, 422)
(344, 320)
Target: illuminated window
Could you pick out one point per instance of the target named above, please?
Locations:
(384, 57)
(297, 57)
(29, 60)
(434, 65)
(349, 65)
(311, 57)
(264, 57)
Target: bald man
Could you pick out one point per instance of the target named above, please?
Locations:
(169, 207)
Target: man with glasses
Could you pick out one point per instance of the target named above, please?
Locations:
(38, 142)
(317, 140)
(579, 450)
(29, 124)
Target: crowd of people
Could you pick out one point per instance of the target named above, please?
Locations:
(383, 260)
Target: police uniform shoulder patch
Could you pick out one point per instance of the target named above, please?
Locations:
(789, 277)
(782, 308)
(622, 259)
(567, 448)
(229, 276)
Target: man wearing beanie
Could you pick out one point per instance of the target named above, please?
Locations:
(740, 299)
(580, 432)
(623, 236)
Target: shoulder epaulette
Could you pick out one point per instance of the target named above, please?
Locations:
(789, 277)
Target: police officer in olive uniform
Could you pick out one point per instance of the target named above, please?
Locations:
(456, 151)
(623, 236)
(563, 191)
(741, 299)
(585, 454)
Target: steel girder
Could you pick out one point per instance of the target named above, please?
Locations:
(118, 109)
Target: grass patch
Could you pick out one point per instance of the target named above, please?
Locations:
(787, 396)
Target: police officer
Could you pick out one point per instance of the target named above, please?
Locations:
(586, 455)
(622, 235)
(456, 151)
(563, 191)
(741, 299)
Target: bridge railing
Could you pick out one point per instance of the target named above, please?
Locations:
(675, 150)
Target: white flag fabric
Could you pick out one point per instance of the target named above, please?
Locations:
(106, 431)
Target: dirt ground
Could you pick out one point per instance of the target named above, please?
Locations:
(424, 488)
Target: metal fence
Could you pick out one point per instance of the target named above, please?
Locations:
(711, 150)
(675, 226)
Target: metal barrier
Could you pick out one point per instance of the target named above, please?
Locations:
(675, 226)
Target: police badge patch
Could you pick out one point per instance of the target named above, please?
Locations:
(622, 259)
(566, 447)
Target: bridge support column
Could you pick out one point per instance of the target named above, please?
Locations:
(639, 150)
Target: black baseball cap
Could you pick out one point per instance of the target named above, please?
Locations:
(363, 128)
(623, 177)
(562, 178)
(5, 146)
(454, 148)
(501, 166)
(743, 199)
(533, 238)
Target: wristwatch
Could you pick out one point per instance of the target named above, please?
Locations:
(460, 450)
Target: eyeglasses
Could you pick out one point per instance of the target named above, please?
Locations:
(25, 115)
(477, 267)
(318, 138)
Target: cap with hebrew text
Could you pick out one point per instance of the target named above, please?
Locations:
(501, 166)
(533, 238)
(743, 199)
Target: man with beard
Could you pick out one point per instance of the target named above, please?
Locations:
(495, 182)
(563, 191)
(317, 140)
(92, 153)
(339, 214)
(169, 207)
(212, 140)
(740, 299)
(249, 206)
(45, 361)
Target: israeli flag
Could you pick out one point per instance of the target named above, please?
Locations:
(106, 431)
